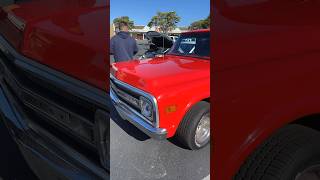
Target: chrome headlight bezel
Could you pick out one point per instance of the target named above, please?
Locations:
(146, 108)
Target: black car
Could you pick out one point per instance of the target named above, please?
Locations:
(158, 44)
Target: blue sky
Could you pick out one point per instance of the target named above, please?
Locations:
(141, 11)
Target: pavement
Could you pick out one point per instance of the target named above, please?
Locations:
(135, 156)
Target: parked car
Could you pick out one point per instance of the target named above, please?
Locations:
(158, 44)
(170, 95)
(53, 93)
(266, 91)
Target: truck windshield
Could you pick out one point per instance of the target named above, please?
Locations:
(192, 44)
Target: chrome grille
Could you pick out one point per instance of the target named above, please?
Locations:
(125, 96)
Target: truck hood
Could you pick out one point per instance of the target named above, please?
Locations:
(30, 10)
(153, 75)
(69, 36)
(159, 40)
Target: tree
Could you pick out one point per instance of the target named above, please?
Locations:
(165, 21)
(123, 19)
(201, 24)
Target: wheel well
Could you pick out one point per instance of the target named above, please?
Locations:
(207, 100)
(312, 121)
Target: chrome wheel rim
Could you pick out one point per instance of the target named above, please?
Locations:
(202, 134)
(310, 173)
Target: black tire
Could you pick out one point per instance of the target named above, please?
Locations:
(186, 131)
(283, 156)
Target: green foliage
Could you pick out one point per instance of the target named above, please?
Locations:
(124, 19)
(165, 21)
(201, 24)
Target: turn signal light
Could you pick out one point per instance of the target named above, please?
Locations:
(171, 109)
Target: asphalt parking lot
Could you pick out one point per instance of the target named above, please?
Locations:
(135, 156)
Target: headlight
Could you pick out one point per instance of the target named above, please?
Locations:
(146, 107)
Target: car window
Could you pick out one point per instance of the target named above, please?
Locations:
(192, 44)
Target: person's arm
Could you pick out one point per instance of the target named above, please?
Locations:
(136, 49)
(111, 46)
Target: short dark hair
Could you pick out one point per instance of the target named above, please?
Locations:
(123, 24)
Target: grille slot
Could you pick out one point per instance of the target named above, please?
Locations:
(118, 89)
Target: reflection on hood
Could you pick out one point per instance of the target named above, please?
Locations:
(123, 35)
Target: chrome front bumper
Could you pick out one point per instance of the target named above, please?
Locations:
(127, 113)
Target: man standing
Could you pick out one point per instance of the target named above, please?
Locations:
(122, 45)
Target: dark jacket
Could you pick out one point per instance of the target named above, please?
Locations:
(123, 47)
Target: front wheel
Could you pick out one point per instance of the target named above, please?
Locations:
(194, 130)
(292, 153)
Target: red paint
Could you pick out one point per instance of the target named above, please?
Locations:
(67, 35)
(172, 80)
(197, 30)
(266, 74)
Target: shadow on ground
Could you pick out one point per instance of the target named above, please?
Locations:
(128, 127)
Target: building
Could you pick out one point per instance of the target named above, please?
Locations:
(139, 31)
(112, 30)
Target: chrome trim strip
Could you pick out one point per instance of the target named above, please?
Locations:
(18, 22)
(142, 93)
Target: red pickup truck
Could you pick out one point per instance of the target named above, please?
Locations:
(266, 90)
(53, 93)
(169, 95)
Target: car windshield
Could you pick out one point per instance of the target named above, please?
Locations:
(192, 44)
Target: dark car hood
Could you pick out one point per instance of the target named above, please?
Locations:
(160, 40)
